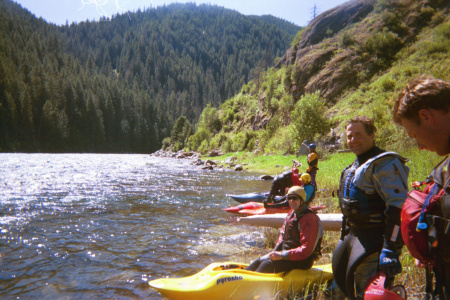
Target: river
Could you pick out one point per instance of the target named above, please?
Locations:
(100, 226)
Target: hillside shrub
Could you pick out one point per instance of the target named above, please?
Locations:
(237, 141)
(297, 38)
(218, 140)
(209, 119)
(196, 140)
(308, 119)
(204, 147)
(281, 141)
(166, 143)
(181, 131)
(249, 140)
(382, 44)
(347, 39)
(227, 146)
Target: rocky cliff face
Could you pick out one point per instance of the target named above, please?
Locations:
(345, 46)
(317, 63)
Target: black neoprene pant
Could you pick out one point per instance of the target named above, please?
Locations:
(277, 266)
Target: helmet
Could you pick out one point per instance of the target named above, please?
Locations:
(295, 170)
(312, 146)
(297, 190)
(375, 289)
(306, 178)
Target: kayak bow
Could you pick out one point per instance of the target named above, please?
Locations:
(229, 280)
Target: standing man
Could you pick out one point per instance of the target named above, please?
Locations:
(372, 191)
(313, 161)
(423, 109)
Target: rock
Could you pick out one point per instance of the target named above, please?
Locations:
(304, 149)
(207, 167)
(214, 153)
(229, 160)
(335, 19)
(198, 162)
(210, 162)
(188, 154)
(238, 168)
(266, 177)
(315, 54)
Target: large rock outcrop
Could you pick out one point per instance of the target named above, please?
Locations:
(316, 62)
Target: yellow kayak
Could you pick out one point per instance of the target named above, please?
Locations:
(229, 280)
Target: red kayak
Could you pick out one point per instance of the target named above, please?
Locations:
(257, 208)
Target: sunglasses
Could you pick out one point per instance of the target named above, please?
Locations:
(293, 197)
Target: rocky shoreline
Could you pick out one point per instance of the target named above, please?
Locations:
(208, 164)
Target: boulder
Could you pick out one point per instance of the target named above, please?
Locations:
(229, 160)
(210, 162)
(238, 168)
(303, 150)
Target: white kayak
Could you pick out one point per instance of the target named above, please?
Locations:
(330, 222)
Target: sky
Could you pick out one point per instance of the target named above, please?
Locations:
(299, 12)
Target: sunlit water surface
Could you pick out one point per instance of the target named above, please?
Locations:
(92, 226)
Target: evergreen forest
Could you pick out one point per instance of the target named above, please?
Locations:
(120, 84)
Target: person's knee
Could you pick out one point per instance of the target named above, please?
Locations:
(266, 267)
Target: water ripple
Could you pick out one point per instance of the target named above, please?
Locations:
(89, 226)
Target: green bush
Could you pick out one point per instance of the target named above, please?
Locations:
(281, 141)
(248, 142)
(209, 119)
(227, 146)
(382, 44)
(166, 143)
(228, 117)
(197, 139)
(204, 147)
(238, 141)
(181, 131)
(297, 38)
(218, 140)
(347, 39)
(308, 119)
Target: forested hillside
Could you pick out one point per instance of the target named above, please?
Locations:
(353, 59)
(119, 84)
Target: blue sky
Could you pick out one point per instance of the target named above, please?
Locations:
(59, 11)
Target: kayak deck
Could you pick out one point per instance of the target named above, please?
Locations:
(256, 208)
(252, 197)
(230, 281)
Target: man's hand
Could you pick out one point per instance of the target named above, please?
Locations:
(276, 255)
(390, 263)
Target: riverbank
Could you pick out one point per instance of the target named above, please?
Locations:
(330, 168)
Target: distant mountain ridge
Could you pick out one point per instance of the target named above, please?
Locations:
(119, 85)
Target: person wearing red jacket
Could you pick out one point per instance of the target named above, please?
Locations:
(423, 110)
(299, 242)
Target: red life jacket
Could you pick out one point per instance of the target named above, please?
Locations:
(423, 244)
(296, 179)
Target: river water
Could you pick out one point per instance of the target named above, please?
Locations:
(100, 226)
